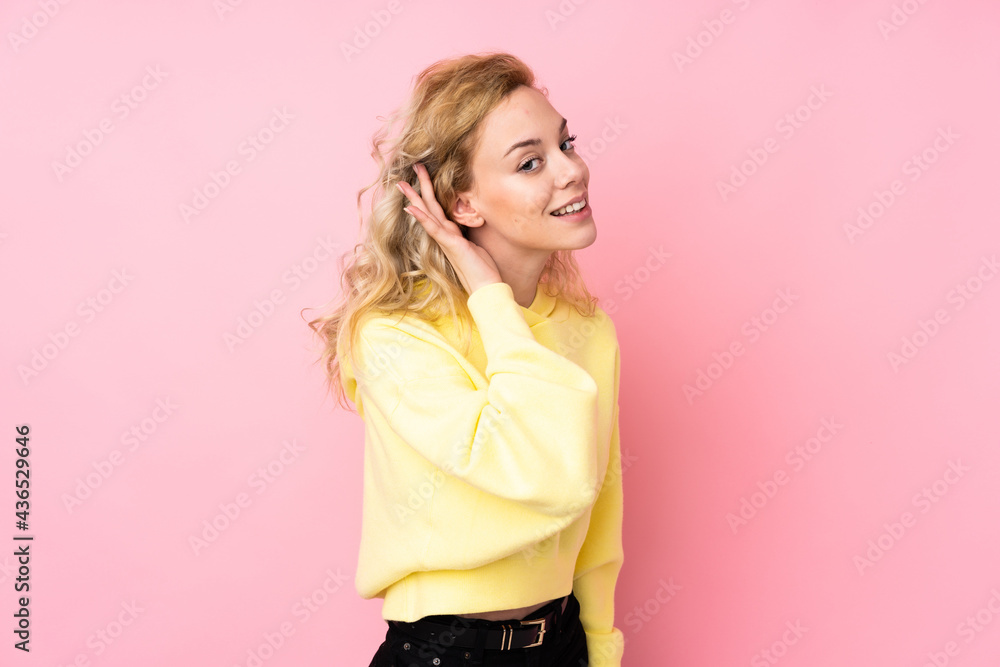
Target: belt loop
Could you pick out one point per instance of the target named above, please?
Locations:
(559, 612)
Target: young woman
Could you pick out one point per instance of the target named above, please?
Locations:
(487, 379)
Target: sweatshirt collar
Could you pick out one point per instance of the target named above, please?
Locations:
(541, 307)
(539, 310)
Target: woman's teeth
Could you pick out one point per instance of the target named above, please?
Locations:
(572, 208)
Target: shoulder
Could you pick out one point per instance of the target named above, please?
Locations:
(599, 325)
(601, 316)
(395, 331)
(402, 345)
(608, 333)
(585, 339)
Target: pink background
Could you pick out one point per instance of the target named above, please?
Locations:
(701, 585)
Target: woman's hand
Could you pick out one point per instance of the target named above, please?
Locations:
(471, 262)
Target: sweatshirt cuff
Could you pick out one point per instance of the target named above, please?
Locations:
(605, 649)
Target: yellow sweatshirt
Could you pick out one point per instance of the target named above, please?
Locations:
(492, 480)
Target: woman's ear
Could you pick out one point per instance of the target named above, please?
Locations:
(464, 213)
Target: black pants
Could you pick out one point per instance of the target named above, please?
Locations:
(569, 648)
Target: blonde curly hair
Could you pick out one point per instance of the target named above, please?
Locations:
(398, 267)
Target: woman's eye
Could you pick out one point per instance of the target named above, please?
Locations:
(527, 162)
(570, 141)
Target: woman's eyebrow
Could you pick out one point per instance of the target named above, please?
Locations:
(532, 142)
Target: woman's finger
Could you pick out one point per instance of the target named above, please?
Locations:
(417, 204)
(411, 194)
(441, 224)
(427, 191)
(429, 222)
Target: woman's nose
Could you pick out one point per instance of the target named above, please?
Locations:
(570, 169)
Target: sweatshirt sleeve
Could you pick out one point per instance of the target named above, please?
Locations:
(518, 451)
(600, 561)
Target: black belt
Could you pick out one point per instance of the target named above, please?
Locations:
(506, 636)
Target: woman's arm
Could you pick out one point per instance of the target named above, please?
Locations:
(599, 563)
(527, 436)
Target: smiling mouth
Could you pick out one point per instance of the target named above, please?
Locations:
(572, 208)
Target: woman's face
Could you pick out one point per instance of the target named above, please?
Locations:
(524, 170)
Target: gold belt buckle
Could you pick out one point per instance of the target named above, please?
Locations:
(541, 631)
